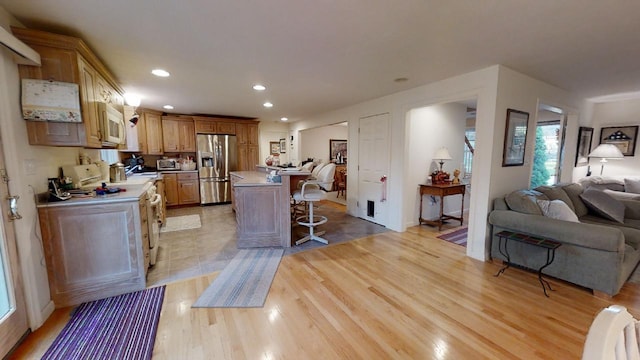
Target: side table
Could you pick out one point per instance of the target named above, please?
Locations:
(545, 243)
(441, 190)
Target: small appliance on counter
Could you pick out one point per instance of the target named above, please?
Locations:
(82, 175)
(117, 173)
(168, 164)
(56, 193)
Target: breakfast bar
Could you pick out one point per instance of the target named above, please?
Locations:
(263, 207)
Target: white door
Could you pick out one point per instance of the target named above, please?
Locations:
(373, 168)
(13, 316)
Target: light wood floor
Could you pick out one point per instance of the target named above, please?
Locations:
(393, 295)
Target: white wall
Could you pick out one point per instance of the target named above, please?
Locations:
(24, 181)
(619, 113)
(273, 131)
(431, 128)
(314, 143)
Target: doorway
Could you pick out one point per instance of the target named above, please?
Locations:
(452, 126)
(13, 312)
(326, 144)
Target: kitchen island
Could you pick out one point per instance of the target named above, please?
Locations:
(96, 247)
(263, 208)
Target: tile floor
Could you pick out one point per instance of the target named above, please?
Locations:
(190, 253)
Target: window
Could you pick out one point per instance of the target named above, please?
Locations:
(469, 146)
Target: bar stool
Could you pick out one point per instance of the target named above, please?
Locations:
(310, 193)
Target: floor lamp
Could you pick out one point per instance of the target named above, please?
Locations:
(604, 152)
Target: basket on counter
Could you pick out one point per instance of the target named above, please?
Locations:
(188, 166)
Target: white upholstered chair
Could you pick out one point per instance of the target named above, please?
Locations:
(316, 170)
(314, 190)
(325, 177)
(612, 335)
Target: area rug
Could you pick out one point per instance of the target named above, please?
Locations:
(184, 222)
(245, 282)
(457, 237)
(119, 327)
(340, 227)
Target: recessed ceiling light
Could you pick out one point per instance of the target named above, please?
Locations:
(259, 87)
(284, 118)
(267, 104)
(168, 107)
(160, 72)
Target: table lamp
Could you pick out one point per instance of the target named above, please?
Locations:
(442, 154)
(604, 152)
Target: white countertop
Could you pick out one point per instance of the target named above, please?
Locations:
(135, 186)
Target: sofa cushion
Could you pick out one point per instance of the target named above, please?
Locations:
(524, 201)
(632, 186)
(556, 193)
(621, 195)
(603, 204)
(557, 209)
(601, 183)
(574, 191)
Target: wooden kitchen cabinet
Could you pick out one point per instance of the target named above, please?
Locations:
(181, 188)
(69, 59)
(178, 134)
(154, 136)
(171, 188)
(212, 125)
(247, 144)
(94, 251)
(188, 188)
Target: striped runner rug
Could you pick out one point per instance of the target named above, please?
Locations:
(244, 282)
(119, 327)
(457, 237)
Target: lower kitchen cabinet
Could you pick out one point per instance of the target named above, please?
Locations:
(181, 188)
(94, 251)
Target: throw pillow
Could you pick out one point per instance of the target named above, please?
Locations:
(574, 191)
(632, 186)
(524, 201)
(556, 193)
(603, 204)
(557, 209)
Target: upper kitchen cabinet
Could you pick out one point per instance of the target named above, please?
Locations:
(146, 136)
(153, 125)
(178, 134)
(69, 59)
(212, 125)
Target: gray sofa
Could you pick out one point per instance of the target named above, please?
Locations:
(597, 253)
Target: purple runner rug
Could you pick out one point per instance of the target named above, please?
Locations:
(457, 237)
(119, 327)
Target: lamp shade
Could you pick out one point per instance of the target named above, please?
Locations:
(606, 151)
(442, 154)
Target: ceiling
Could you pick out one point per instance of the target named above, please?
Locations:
(317, 56)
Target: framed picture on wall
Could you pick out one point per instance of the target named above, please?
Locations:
(274, 147)
(585, 136)
(338, 150)
(515, 138)
(283, 146)
(624, 137)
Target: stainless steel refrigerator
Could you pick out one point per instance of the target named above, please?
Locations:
(216, 158)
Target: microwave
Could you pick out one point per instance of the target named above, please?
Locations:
(111, 124)
(168, 164)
